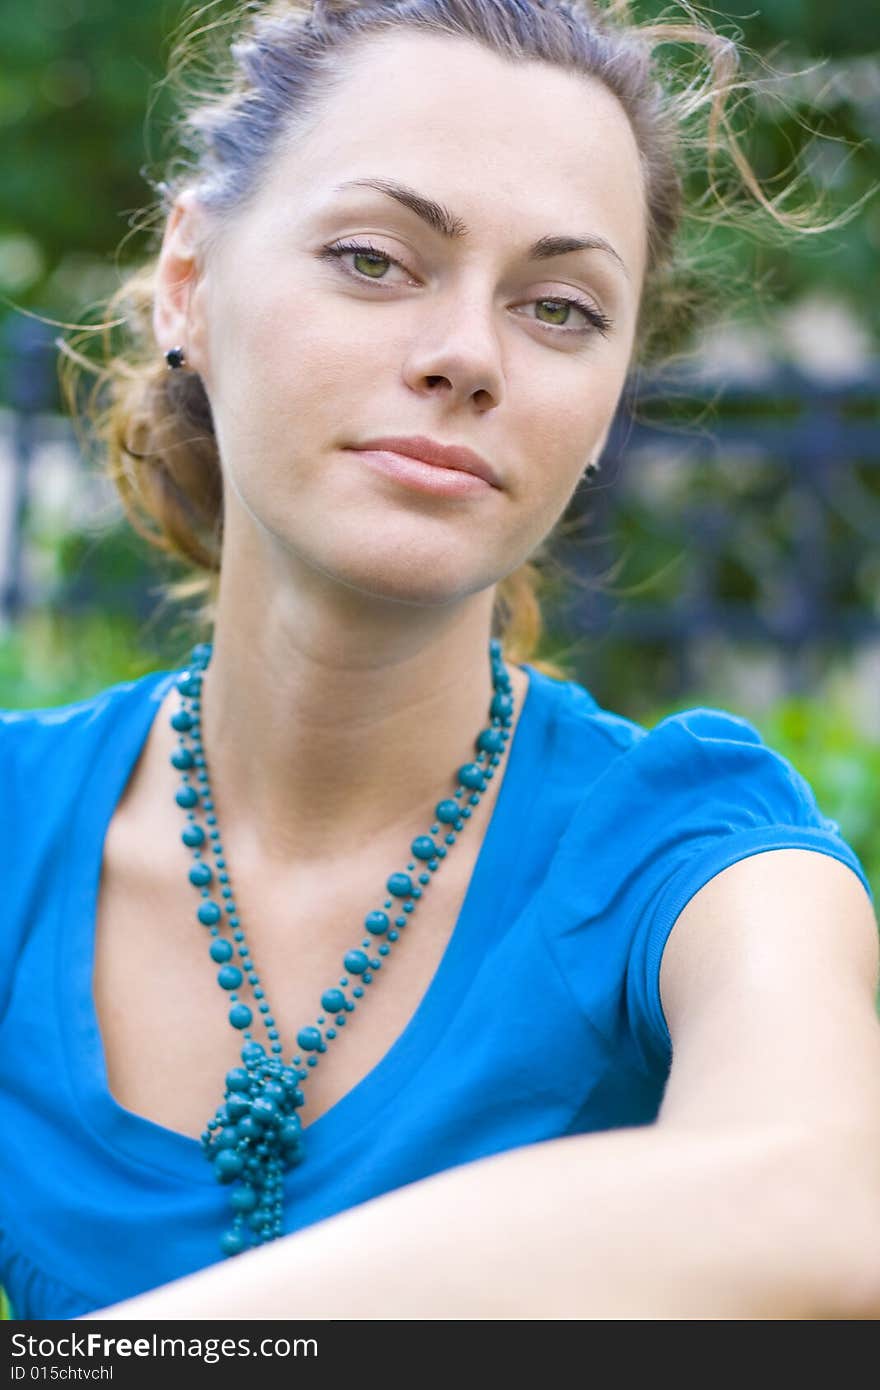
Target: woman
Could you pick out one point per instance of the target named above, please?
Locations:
(393, 977)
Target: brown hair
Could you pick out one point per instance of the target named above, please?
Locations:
(264, 69)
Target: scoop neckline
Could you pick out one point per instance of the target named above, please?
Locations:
(148, 1144)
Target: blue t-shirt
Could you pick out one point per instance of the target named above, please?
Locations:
(543, 1018)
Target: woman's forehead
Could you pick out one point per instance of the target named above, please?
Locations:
(488, 139)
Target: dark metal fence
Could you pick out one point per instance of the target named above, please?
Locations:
(757, 522)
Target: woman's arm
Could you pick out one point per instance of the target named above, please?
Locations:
(755, 1195)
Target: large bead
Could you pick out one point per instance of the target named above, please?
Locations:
(265, 1111)
(490, 741)
(423, 847)
(229, 977)
(228, 1164)
(221, 951)
(291, 1130)
(400, 885)
(355, 962)
(377, 922)
(238, 1080)
(333, 1000)
(310, 1040)
(232, 1242)
(237, 1106)
(471, 775)
(240, 1016)
(294, 1153)
(243, 1199)
(209, 914)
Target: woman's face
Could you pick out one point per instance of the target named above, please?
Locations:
(463, 339)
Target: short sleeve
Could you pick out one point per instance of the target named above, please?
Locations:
(692, 796)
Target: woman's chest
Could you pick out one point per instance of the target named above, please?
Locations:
(164, 1015)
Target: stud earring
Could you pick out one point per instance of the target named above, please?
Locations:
(175, 357)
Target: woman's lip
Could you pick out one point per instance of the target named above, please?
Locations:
(424, 477)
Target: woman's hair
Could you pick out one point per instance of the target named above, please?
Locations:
(249, 75)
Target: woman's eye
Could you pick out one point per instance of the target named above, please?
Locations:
(369, 259)
(367, 255)
(597, 320)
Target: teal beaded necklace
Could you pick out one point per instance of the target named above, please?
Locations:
(256, 1133)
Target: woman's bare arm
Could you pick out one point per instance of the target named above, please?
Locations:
(755, 1195)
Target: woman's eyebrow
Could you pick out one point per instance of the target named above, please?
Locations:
(441, 220)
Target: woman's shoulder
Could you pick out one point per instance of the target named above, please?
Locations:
(656, 812)
(698, 748)
(84, 709)
(28, 736)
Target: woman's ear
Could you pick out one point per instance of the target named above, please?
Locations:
(177, 316)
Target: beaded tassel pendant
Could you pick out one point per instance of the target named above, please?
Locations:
(256, 1134)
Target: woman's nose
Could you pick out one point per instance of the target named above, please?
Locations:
(457, 348)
